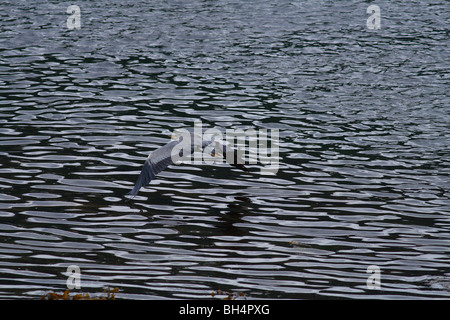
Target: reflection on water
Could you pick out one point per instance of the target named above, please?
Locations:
(363, 177)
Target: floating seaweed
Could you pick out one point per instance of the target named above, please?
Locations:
(229, 295)
(296, 243)
(110, 295)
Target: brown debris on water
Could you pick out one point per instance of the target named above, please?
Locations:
(229, 295)
(110, 295)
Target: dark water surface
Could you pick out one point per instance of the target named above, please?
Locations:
(364, 148)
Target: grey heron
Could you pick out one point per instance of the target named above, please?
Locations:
(184, 146)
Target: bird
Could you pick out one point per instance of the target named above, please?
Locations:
(181, 147)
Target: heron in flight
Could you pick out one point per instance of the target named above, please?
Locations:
(180, 148)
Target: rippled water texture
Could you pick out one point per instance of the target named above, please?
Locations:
(363, 117)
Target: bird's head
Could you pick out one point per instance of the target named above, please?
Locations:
(175, 136)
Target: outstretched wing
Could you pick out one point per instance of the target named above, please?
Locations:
(158, 160)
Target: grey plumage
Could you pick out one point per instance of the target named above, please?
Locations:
(158, 160)
(163, 157)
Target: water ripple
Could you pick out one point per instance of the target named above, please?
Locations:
(364, 156)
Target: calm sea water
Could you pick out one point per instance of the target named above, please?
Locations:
(363, 117)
